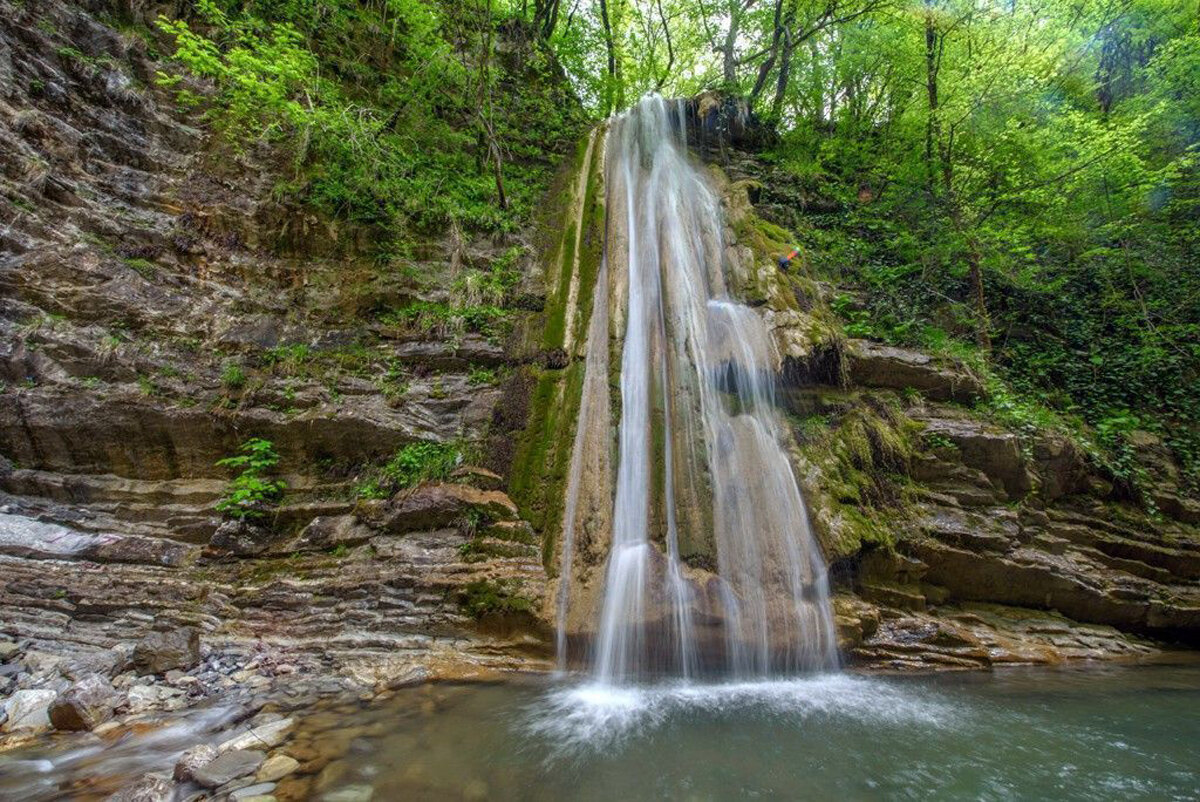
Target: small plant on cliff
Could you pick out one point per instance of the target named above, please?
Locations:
(233, 377)
(252, 492)
(416, 462)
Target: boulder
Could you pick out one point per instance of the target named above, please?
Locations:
(435, 506)
(478, 477)
(256, 791)
(85, 705)
(874, 365)
(986, 448)
(240, 539)
(21, 536)
(150, 788)
(276, 768)
(331, 531)
(1062, 468)
(160, 652)
(193, 760)
(264, 736)
(29, 710)
(228, 767)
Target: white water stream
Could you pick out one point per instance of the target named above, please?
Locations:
(698, 421)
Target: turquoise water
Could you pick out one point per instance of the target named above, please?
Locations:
(1095, 733)
(1091, 733)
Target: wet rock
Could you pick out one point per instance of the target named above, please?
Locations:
(192, 760)
(229, 766)
(86, 705)
(276, 768)
(29, 710)
(475, 791)
(160, 652)
(140, 698)
(351, 793)
(264, 736)
(150, 788)
(257, 790)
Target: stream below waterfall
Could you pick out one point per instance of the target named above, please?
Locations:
(1092, 732)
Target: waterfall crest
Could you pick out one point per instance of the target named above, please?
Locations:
(711, 565)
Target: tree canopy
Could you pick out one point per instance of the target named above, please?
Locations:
(1015, 180)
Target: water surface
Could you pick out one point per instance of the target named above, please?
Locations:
(1094, 733)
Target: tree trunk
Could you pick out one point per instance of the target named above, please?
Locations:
(611, 88)
(764, 69)
(931, 91)
(728, 51)
(781, 82)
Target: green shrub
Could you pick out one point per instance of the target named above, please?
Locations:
(417, 462)
(232, 376)
(251, 493)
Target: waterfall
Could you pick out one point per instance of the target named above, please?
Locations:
(700, 444)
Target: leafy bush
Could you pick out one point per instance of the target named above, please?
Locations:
(417, 462)
(251, 493)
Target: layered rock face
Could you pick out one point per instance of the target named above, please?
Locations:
(954, 542)
(157, 308)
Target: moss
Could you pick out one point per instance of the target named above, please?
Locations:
(478, 550)
(863, 456)
(590, 215)
(491, 597)
(543, 456)
(556, 306)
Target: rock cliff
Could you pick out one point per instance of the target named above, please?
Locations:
(159, 305)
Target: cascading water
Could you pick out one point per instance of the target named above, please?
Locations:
(700, 445)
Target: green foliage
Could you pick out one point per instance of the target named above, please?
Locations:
(392, 111)
(482, 375)
(288, 360)
(417, 462)
(233, 377)
(1061, 159)
(493, 597)
(252, 492)
(445, 320)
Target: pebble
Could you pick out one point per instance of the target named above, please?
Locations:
(229, 766)
(250, 791)
(265, 736)
(276, 768)
(351, 793)
(192, 760)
